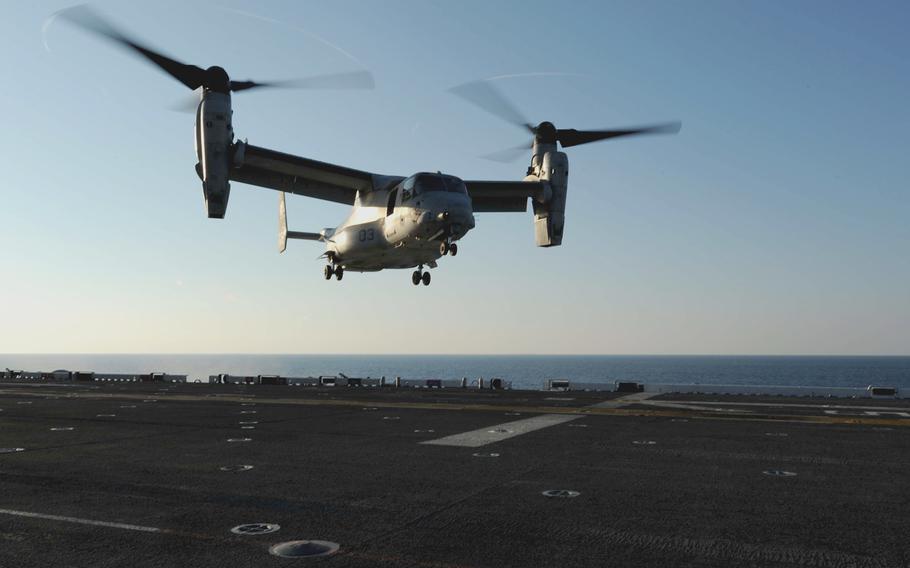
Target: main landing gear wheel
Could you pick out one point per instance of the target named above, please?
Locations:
(339, 272)
(419, 276)
(328, 271)
(445, 247)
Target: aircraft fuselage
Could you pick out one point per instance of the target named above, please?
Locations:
(402, 226)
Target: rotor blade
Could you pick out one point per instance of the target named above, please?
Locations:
(187, 103)
(486, 96)
(509, 154)
(350, 80)
(89, 20)
(572, 137)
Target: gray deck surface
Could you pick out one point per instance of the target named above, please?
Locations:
(347, 465)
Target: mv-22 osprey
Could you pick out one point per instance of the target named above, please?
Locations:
(395, 221)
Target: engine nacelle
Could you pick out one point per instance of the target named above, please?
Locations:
(214, 136)
(552, 166)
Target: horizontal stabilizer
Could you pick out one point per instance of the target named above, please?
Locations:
(304, 236)
(284, 234)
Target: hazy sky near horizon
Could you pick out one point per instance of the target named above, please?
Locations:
(777, 221)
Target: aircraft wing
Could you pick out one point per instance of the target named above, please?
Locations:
(301, 176)
(503, 196)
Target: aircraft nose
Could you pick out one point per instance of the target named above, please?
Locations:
(453, 215)
(457, 220)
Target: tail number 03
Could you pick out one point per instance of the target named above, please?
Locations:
(366, 235)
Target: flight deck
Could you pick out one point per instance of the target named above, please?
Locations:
(178, 474)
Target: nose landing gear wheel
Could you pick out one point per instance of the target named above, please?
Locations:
(328, 272)
(444, 248)
(415, 278)
(339, 272)
(426, 278)
(453, 249)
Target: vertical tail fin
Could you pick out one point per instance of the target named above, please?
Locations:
(282, 223)
(284, 234)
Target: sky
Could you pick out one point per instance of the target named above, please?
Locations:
(775, 222)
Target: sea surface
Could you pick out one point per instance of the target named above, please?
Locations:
(524, 371)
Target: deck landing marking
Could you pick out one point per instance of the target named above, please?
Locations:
(489, 435)
(79, 521)
(690, 406)
(638, 397)
(564, 493)
(764, 412)
(869, 413)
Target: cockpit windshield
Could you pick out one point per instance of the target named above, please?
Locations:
(427, 182)
(430, 182)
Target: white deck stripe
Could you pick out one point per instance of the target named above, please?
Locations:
(781, 405)
(81, 521)
(625, 400)
(491, 434)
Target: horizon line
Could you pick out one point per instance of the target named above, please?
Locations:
(464, 354)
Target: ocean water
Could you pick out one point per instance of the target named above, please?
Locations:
(525, 371)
